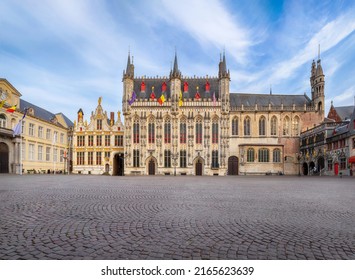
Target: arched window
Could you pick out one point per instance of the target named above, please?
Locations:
(262, 126)
(198, 131)
(136, 131)
(3, 121)
(276, 155)
(263, 155)
(215, 131)
(235, 127)
(273, 128)
(183, 131)
(167, 131)
(151, 131)
(286, 126)
(250, 155)
(247, 126)
(296, 126)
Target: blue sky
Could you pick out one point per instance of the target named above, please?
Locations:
(63, 55)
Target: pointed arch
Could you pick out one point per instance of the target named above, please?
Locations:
(215, 129)
(296, 126)
(167, 130)
(198, 130)
(262, 126)
(273, 126)
(136, 130)
(286, 126)
(247, 129)
(235, 126)
(183, 130)
(151, 130)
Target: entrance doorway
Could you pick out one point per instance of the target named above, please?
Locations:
(336, 168)
(4, 158)
(233, 165)
(118, 165)
(311, 167)
(198, 168)
(320, 163)
(107, 168)
(151, 167)
(305, 169)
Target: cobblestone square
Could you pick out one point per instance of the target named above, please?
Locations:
(183, 217)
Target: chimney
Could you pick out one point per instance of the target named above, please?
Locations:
(112, 118)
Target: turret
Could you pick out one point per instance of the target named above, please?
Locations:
(317, 85)
(128, 79)
(175, 86)
(224, 79)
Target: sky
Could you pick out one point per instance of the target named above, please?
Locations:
(63, 55)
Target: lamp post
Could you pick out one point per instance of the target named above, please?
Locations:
(299, 164)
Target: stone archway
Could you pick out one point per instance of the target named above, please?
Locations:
(320, 163)
(311, 167)
(151, 164)
(233, 163)
(4, 158)
(118, 165)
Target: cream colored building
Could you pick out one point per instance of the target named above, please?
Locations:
(44, 136)
(98, 145)
(213, 131)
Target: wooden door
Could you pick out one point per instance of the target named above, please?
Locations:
(4, 158)
(336, 168)
(198, 168)
(233, 165)
(151, 167)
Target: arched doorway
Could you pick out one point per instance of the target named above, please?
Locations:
(305, 168)
(336, 168)
(320, 163)
(233, 165)
(198, 167)
(4, 158)
(118, 165)
(151, 167)
(311, 167)
(107, 168)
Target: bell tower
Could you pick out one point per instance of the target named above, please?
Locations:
(128, 78)
(317, 85)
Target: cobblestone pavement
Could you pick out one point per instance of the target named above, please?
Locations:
(166, 217)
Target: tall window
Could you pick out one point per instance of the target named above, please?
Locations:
(62, 138)
(90, 158)
(40, 132)
(135, 158)
(198, 131)
(55, 154)
(215, 131)
(2, 121)
(107, 140)
(61, 155)
(136, 131)
(183, 159)
(247, 126)
(286, 126)
(273, 129)
(151, 132)
(80, 140)
(23, 127)
(48, 153)
(235, 124)
(107, 154)
(183, 132)
(215, 159)
(296, 126)
(167, 131)
(48, 134)
(98, 158)
(276, 155)
(99, 124)
(250, 155)
(80, 158)
(31, 151)
(40, 153)
(118, 140)
(342, 163)
(98, 140)
(31, 129)
(91, 140)
(55, 137)
(330, 164)
(262, 130)
(167, 158)
(263, 155)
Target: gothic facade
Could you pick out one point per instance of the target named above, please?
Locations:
(196, 126)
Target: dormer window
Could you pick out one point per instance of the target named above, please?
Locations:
(143, 87)
(31, 111)
(186, 87)
(163, 87)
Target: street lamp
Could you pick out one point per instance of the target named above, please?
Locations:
(299, 164)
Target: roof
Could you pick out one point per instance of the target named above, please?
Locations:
(42, 113)
(193, 83)
(345, 112)
(250, 99)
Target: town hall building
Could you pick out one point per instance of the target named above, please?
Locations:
(179, 125)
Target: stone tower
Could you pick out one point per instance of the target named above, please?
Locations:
(128, 77)
(317, 86)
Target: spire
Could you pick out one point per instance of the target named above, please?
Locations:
(319, 71)
(175, 73)
(128, 62)
(223, 73)
(130, 67)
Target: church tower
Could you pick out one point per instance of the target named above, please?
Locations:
(224, 79)
(128, 77)
(317, 85)
(175, 86)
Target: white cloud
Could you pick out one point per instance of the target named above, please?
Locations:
(345, 98)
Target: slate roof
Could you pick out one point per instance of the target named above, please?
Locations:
(42, 113)
(250, 99)
(192, 82)
(345, 112)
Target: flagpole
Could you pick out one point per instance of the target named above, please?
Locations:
(21, 148)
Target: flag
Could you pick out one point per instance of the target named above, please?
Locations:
(17, 129)
(12, 109)
(161, 99)
(214, 98)
(2, 103)
(133, 98)
(180, 99)
(25, 113)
